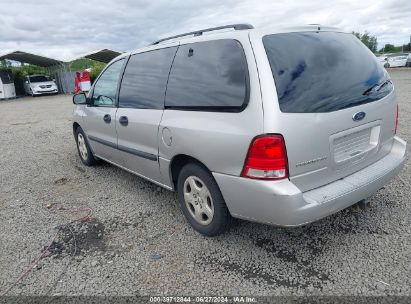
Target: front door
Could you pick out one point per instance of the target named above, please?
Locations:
(100, 115)
(141, 104)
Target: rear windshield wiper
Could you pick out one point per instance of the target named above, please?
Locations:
(376, 87)
(384, 84)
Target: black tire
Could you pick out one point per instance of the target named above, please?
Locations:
(87, 159)
(387, 65)
(221, 219)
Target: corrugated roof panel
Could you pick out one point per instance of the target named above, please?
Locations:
(31, 59)
(103, 55)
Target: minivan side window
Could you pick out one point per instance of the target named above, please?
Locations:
(211, 76)
(145, 79)
(105, 89)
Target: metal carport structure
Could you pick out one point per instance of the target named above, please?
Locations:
(29, 58)
(53, 66)
(61, 69)
(102, 55)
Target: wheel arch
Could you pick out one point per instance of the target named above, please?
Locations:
(178, 162)
(75, 126)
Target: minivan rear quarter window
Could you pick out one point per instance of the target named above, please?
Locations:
(209, 75)
(324, 71)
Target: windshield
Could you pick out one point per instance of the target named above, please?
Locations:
(39, 78)
(324, 71)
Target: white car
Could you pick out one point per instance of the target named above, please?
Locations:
(39, 84)
(382, 59)
(397, 60)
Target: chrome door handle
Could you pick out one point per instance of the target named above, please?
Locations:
(107, 118)
(123, 121)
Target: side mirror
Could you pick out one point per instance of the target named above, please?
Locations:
(80, 98)
(54, 79)
(26, 81)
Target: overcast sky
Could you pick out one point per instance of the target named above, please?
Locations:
(63, 29)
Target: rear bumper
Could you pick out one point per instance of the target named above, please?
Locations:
(282, 203)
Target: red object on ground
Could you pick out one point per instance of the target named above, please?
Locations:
(82, 82)
(84, 76)
(77, 83)
(85, 84)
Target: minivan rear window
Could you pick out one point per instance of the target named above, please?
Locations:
(324, 71)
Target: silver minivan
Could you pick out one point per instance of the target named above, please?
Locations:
(278, 126)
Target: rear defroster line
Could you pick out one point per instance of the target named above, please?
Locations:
(46, 252)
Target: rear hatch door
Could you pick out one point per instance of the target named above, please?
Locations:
(336, 104)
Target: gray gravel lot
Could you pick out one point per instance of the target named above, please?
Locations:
(139, 244)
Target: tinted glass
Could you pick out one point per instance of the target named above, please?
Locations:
(210, 74)
(145, 79)
(6, 77)
(39, 78)
(105, 90)
(323, 72)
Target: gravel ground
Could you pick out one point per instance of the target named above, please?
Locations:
(139, 244)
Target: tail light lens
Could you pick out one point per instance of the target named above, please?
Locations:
(396, 120)
(266, 158)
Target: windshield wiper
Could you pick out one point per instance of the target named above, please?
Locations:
(384, 84)
(376, 87)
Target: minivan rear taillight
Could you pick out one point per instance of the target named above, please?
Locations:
(266, 158)
(396, 120)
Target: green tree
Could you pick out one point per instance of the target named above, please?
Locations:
(83, 63)
(4, 63)
(96, 70)
(407, 47)
(368, 40)
(389, 48)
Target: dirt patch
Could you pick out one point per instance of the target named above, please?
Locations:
(304, 276)
(80, 169)
(75, 238)
(61, 181)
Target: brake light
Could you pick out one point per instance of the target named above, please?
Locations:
(396, 120)
(266, 158)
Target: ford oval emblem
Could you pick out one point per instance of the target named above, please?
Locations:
(358, 116)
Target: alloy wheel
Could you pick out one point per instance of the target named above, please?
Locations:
(198, 200)
(82, 146)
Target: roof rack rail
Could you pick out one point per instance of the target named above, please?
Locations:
(236, 27)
